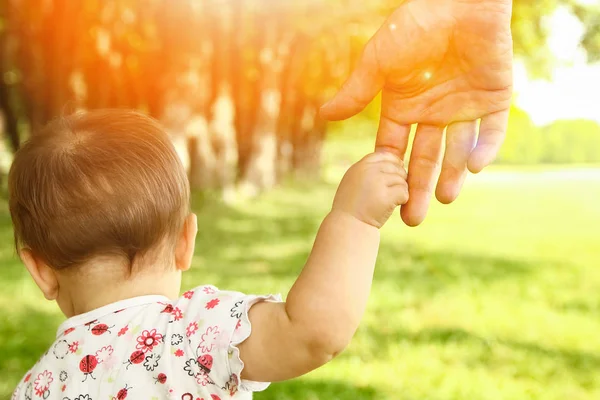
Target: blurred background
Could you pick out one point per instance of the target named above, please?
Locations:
(494, 297)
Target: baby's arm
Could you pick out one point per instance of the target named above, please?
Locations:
(326, 304)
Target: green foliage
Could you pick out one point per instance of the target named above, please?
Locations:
(530, 31)
(575, 141)
(562, 142)
(590, 16)
(494, 298)
(523, 143)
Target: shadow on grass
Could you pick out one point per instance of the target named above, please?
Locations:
(243, 245)
(237, 246)
(582, 366)
(302, 389)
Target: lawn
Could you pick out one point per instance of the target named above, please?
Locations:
(494, 297)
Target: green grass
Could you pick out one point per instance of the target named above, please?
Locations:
(494, 297)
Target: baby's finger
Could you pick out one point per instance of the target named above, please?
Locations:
(399, 193)
(392, 168)
(383, 156)
(395, 180)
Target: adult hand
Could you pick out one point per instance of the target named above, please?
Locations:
(440, 63)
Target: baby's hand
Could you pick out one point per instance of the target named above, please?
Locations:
(372, 189)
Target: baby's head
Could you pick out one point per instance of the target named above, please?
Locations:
(100, 208)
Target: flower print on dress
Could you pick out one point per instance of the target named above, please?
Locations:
(208, 290)
(123, 330)
(147, 340)
(73, 347)
(188, 295)
(60, 349)
(179, 353)
(203, 379)
(209, 339)
(191, 329)
(212, 304)
(63, 376)
(192, 367)
(42, 384)
(83, 397)
(177, 314)
(104, 353)
(176, 339)
(151, 361)
(29, 391)
(237, 309)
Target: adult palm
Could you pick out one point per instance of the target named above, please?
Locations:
(440, 63)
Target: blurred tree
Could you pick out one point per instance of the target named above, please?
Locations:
(564, 141)
(236, 83)
(575, 141)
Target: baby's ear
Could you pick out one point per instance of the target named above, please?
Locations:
(42, 273)
(184, 251)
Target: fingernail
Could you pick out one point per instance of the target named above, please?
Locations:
(326, 104)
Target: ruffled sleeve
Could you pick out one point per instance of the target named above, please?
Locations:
(241, 333)
(216, 323)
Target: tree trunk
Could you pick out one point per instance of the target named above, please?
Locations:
(262, 172)
(223, 112)
(9, 123)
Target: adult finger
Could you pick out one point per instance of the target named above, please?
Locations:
(492, 131)
(361, 87)
(422, 172)
(460, 139)
(391, 136)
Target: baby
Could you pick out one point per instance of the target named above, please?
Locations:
(100, 207)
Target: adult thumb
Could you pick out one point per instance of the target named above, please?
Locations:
(361, 87)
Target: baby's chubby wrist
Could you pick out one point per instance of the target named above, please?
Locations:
(347, 220)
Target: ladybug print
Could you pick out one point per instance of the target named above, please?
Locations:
(232, 385)
(206, 362)
(101, 329)
(168, 309)
(122, 395)
(144, 340)
(136, 357)
(88, 324)
(161, 378)
(87, 365)
(69, 330)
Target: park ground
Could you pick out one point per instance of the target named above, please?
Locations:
(494, 297)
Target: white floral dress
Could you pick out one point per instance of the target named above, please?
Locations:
(151, 348)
